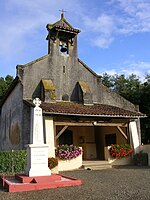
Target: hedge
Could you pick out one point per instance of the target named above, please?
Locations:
(12, 161)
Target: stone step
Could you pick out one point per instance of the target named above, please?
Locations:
(95, 162)
(96, 165)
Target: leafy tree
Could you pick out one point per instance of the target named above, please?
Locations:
(4, 84)
(107, 80)
(133, 87)
(145, 108)
(133, 90)
(8, 80)
(129, 87)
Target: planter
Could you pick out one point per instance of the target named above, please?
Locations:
(122, 161)
(66, 165)
(114, 161)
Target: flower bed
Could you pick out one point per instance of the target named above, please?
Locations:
(68, 152)
(69, 157)
(120, 151)
(118, 154)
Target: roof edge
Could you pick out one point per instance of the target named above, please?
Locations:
(34, 61)
(88, 68)
(84, 115)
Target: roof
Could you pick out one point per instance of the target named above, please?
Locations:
(96, 110)
(62, 24)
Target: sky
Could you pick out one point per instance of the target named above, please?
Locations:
(114, 38)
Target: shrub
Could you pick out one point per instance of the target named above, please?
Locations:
(120, 151)
(52, 162)
(140, 159)
(12, 161)
(68, 152)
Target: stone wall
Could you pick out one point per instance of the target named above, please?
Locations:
(11, 120)
(65, 72)
(26, 122)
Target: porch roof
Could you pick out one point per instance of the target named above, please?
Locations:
(96, 110)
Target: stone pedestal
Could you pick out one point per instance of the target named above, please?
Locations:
(37, 160)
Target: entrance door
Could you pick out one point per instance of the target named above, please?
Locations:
(66, 138)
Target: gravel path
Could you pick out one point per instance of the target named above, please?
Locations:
(110, 184)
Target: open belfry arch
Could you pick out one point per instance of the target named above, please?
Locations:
(77, 108)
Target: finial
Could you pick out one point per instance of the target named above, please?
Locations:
(62, 13)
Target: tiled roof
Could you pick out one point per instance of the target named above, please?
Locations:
(64, 108)
(62, 24)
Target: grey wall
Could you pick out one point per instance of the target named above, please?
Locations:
(65, 71)
(11, 120)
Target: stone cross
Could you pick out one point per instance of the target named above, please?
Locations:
(37, 135)
(62, 13)
(37, 102)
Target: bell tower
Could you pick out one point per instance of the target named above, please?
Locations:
(62, 37)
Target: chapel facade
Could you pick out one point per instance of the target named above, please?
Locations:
(77, 108)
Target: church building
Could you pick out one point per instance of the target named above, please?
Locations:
(77, 108)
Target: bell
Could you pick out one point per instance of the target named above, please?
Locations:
(63, 48)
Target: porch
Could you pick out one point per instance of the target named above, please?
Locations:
(93, 135)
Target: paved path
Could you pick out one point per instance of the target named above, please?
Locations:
(110, 184)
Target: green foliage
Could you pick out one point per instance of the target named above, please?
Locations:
(132, 89)
(107, 80)
(128, 87)
(120, 151)
(4, 84)
(52, 162)
(140, 159)
(12, 161)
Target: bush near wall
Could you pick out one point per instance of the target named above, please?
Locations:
(12, 161)
(140, 159)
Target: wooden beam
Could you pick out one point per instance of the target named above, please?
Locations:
(60, 132)
(121, 131)
(90, 124)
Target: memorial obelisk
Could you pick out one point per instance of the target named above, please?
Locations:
(37, 151)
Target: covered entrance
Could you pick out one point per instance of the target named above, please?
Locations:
(92, 136)
(91, 127)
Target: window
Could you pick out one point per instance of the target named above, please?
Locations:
(64, 69)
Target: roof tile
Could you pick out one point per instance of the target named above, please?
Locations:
(89, 110)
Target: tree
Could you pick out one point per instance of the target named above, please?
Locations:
(4, 84)
(133, 90)
(107, 80)
(145, 108)
(9, 79)
(129, 87)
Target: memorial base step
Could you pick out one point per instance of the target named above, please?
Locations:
(21, 183)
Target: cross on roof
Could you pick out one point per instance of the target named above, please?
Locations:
(62, 13)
